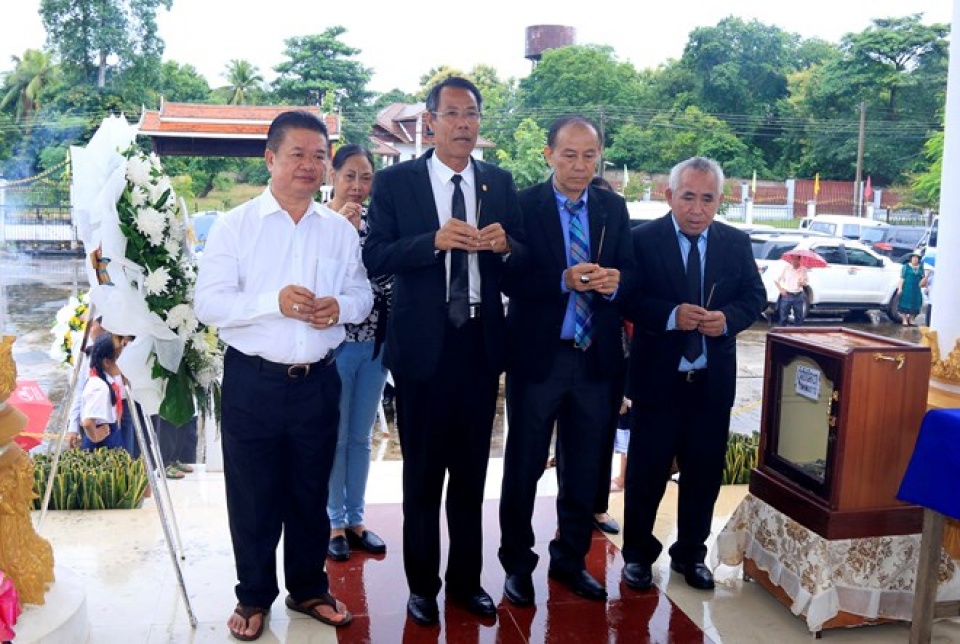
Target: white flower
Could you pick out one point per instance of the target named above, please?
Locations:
(66, 312)
(172, 246)
(155, 162)
(156, 282)
(152, 224)
(138, 170)
(157, 190)
(182, 318)
(138, 196)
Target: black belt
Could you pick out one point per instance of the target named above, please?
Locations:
(292, 371)
(692, 376)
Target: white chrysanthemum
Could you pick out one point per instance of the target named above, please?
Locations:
(156, 281)
(182, 318)
(56, 349)
(155, 162)
(206, 377)
(152, 223)
(138, 196)
(172, 246)
(157, 191)
(138, 170)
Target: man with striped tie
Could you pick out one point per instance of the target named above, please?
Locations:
(563, 355)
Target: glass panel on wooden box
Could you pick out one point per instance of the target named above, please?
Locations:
(805, 396)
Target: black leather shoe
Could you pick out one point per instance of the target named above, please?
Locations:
(338, 549)
(519, 589)
(367, 541)
(479, 602)
(610, 526)
(638, 576)
(581, 583)
(696, 574)
(423, 610)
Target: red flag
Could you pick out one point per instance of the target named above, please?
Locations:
(868, 190)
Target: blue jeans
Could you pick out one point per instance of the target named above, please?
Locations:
(792, 301)
(362, 378)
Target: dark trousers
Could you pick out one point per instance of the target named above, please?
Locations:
(601, 500)
(177, 444)
(279, 437)
(685, 428)
(445, 424)
(580, 408)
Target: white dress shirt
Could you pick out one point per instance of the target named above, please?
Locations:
(440, 180)
(253, 252)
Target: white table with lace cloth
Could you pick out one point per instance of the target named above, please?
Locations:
(871, 577)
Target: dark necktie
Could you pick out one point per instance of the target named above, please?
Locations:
(579, 254)
(459, 308)
(693, 343)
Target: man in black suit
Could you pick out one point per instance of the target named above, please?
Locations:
(696, 288)
(440, 225)
(564, 354)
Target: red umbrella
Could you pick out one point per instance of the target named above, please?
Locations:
(808, 258)
(29, 398)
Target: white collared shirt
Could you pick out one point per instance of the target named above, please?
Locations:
(440, 181)
(256, 250)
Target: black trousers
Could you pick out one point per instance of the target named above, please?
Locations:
(580, 409)
(444, 425)
(279, 438)
(176, 443)
(601, 499)
(688, 429)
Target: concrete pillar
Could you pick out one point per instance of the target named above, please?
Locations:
(946, 289)
(811, 208)
(791, 191)
(748, 211)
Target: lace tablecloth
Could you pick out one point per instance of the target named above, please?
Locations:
(872, 577)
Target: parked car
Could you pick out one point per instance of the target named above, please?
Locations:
(928, 245)
(898, 242)
(198, 227)
(855, 279)
(846, 226)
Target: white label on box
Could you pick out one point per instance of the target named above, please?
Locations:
(808, 382)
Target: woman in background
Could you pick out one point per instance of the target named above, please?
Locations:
(911, 297)
(362, 374)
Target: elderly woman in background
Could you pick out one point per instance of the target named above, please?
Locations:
(362, 374)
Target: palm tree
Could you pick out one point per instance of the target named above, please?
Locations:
(243, 78)
(23, 86)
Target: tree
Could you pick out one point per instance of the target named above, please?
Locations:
(244, 80)
(23, 87)
(526, 163)
(182, 83)
(87, 33)
(319, 65)
(925, 187)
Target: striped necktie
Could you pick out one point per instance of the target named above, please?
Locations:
(459, 308)
(579, 254)
(693, 343)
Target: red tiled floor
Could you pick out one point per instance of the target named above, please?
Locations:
(375, 590)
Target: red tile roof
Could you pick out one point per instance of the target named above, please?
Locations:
(221, 121)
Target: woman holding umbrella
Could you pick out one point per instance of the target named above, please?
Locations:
(911, 298)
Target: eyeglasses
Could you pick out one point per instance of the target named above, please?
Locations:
(471, 116)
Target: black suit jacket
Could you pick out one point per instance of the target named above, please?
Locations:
(403, 224)
(659, 286)
(537, 303)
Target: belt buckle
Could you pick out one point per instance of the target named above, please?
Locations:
(691, 376)
(474, 311)
(295, 371)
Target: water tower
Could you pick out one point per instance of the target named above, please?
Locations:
(541, 38)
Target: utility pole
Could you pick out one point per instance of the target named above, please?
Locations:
(857, 192)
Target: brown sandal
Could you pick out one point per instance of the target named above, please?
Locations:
(246, 612)
(309, 606)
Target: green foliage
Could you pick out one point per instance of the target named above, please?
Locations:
(182, 83)
(925, 186)
(244, 82)
(742, 457)
(87, 34)
(320, 64)
(526, 163)
(102, 479)
(25, 85)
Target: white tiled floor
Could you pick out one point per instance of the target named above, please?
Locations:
(132, 596)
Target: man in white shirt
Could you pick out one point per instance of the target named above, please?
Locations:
(792, 279)
(280, 275)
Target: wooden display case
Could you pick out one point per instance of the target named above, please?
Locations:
(841, 413)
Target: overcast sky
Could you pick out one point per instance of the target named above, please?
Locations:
(401, 40)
